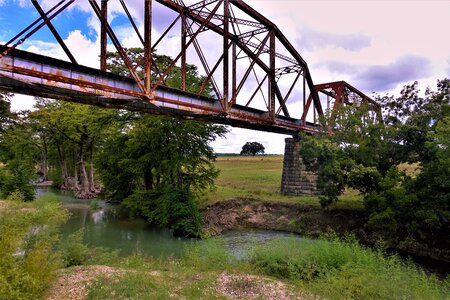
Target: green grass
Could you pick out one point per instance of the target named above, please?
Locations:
(346, 270)
(29, 257)
(259, 177)
(332, 269)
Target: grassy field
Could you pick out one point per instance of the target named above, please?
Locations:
(260, 177)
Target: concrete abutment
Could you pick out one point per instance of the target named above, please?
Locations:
(296, 180)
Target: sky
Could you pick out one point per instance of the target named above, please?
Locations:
(377, 46)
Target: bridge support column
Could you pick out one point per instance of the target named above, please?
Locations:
(295, 179)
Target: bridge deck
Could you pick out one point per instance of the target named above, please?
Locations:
(37, 75)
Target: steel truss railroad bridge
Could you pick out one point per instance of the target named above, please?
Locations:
(257, 78)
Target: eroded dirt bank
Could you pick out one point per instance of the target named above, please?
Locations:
(302, 219)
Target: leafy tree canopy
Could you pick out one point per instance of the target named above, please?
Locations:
(365, 156)
(252, 148)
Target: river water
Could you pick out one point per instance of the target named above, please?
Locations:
(107, 227)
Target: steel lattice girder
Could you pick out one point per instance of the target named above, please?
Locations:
(37, 75)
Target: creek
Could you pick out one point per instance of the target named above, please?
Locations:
(107, 227)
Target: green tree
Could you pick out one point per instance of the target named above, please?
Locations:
(252, 148)
(365, 157)
(19, 152)
(157, 164)
(74, 131)
(6, 116)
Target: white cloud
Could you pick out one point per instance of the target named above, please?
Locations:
(22, 102)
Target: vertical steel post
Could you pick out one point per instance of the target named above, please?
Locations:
(272, 80)
(183, 52)
(304, 92)
(225, 53)
(148, 46)
(103, 35)
(234, 73)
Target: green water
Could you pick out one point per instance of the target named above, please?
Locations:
(106, 227)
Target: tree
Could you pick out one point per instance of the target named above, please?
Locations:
(366, 158)
(6, 116)
(252, 148)
(158, 165)
(20, 152)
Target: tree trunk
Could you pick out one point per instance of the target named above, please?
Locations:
(76, 187)
(148, 179)
(84, 191)
(44, 158)
(91, 168)
(63, 165)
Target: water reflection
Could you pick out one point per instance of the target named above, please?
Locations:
(105, 228)
(97, 216)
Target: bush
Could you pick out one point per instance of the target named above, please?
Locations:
(28, 240)
(171, 207)
(74, 251)
(345, 270)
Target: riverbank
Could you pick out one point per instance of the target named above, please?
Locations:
(299, 218)
(287, 268)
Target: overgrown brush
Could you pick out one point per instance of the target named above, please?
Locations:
(28, 246)
(339, 269)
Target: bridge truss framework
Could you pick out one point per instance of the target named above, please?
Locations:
(257, 78)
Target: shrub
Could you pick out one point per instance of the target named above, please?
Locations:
(168, 206)
(74, 251)
(29, 256)
(345, 270)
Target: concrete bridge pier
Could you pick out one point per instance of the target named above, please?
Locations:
(295, 179)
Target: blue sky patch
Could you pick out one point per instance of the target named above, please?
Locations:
(14, 18)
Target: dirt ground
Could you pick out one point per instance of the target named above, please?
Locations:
(73, 284)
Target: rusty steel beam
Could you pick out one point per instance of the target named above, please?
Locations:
(103, 36)
(117, 44)
(54, 31)
(39, 75)
(183, 52)
(147, 46)
(226, 61)
(272, 79)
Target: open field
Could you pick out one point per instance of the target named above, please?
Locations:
(260, 177)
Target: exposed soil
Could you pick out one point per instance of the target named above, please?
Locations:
(73, 284)
(302, 219)
(256, 287)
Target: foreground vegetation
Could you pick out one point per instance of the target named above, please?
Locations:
(29, 243)
(331, 269)
(32, 253)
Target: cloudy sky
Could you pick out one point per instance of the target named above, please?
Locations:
(377, 46)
